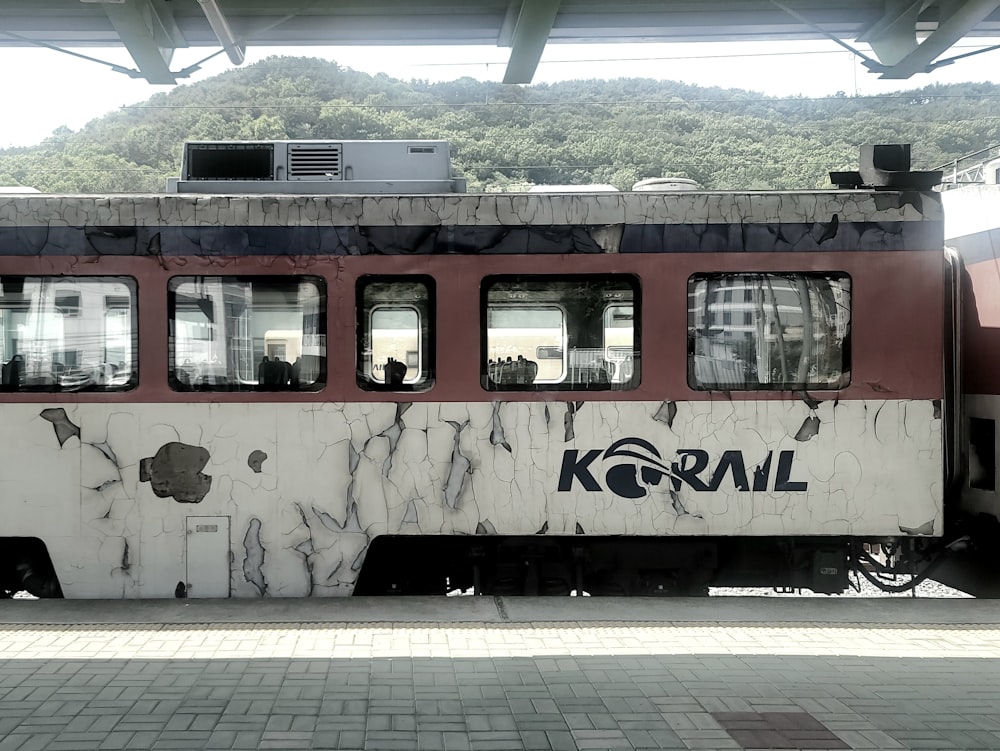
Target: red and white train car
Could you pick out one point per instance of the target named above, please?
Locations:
(972, 228)
(329, 373)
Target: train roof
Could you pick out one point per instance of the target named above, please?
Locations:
(357, 197)
(469, 209)
(492, 223)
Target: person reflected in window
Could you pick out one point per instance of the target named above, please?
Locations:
(395, 372)
(273, 374)
(13, 373)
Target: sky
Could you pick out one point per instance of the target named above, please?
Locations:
(77, 91)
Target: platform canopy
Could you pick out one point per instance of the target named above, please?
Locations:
(906, 36)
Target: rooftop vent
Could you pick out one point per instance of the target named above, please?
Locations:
(308, 161)
(665, 185)
(886, 166)
(324, 167)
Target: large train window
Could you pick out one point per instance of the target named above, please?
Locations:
(773, 331)
(395, 321)
(66, 333)
(247, 333)
(560, 333)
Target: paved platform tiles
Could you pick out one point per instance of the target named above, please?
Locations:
(500, 674)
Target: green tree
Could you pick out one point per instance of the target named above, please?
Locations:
(506, 137)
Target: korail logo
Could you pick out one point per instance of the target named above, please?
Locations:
(636, 466)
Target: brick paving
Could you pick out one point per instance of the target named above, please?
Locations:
(537, 685)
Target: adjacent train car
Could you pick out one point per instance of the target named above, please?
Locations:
(972, 228)
(322, 369)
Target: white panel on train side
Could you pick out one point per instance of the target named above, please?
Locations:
(207, 556)
(308, 486)
(969, 210)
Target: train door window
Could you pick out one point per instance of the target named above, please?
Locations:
(779, 331)
(565, 333)
(67, 333)
(619, 341)
(247, 333)
(395, 325)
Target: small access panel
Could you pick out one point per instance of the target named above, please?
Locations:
(207, 556)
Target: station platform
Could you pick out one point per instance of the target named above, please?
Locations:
(504, 674)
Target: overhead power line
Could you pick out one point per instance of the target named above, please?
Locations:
(973, 49)
(923, 99)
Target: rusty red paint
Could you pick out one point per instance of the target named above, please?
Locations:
(897, 320)
(981, 328)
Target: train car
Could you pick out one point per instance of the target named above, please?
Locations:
(972, 227)
(314, 369)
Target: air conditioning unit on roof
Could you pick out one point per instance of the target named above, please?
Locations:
(335, 167)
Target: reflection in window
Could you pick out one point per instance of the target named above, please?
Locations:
(982, 453)
(67, 333)
(783, 331)
(394, 336)
(526, 344)
(247, 333)
(68, 303)
(560, 333)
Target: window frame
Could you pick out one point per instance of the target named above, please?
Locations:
(62, 288)
(426, 332)
(846, 284)
(566, 383)
(322, 359)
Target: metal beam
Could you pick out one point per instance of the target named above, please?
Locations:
(235, 50)
(958, 18)
(534, 24)
(149, 34)
(895, 35)
(505, 37)
(151, 29)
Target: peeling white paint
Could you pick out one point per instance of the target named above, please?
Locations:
(338, 475)
(514, 210)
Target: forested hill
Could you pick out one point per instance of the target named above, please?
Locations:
(509, 137)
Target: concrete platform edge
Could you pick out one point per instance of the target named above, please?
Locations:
(898, 612)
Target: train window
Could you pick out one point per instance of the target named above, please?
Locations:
(247, 333)
(395, 322)
(67, 333)
(779, 331)
(566, 333)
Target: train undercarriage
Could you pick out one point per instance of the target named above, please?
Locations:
(619, 566)
(25, 566)
(638, 566)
